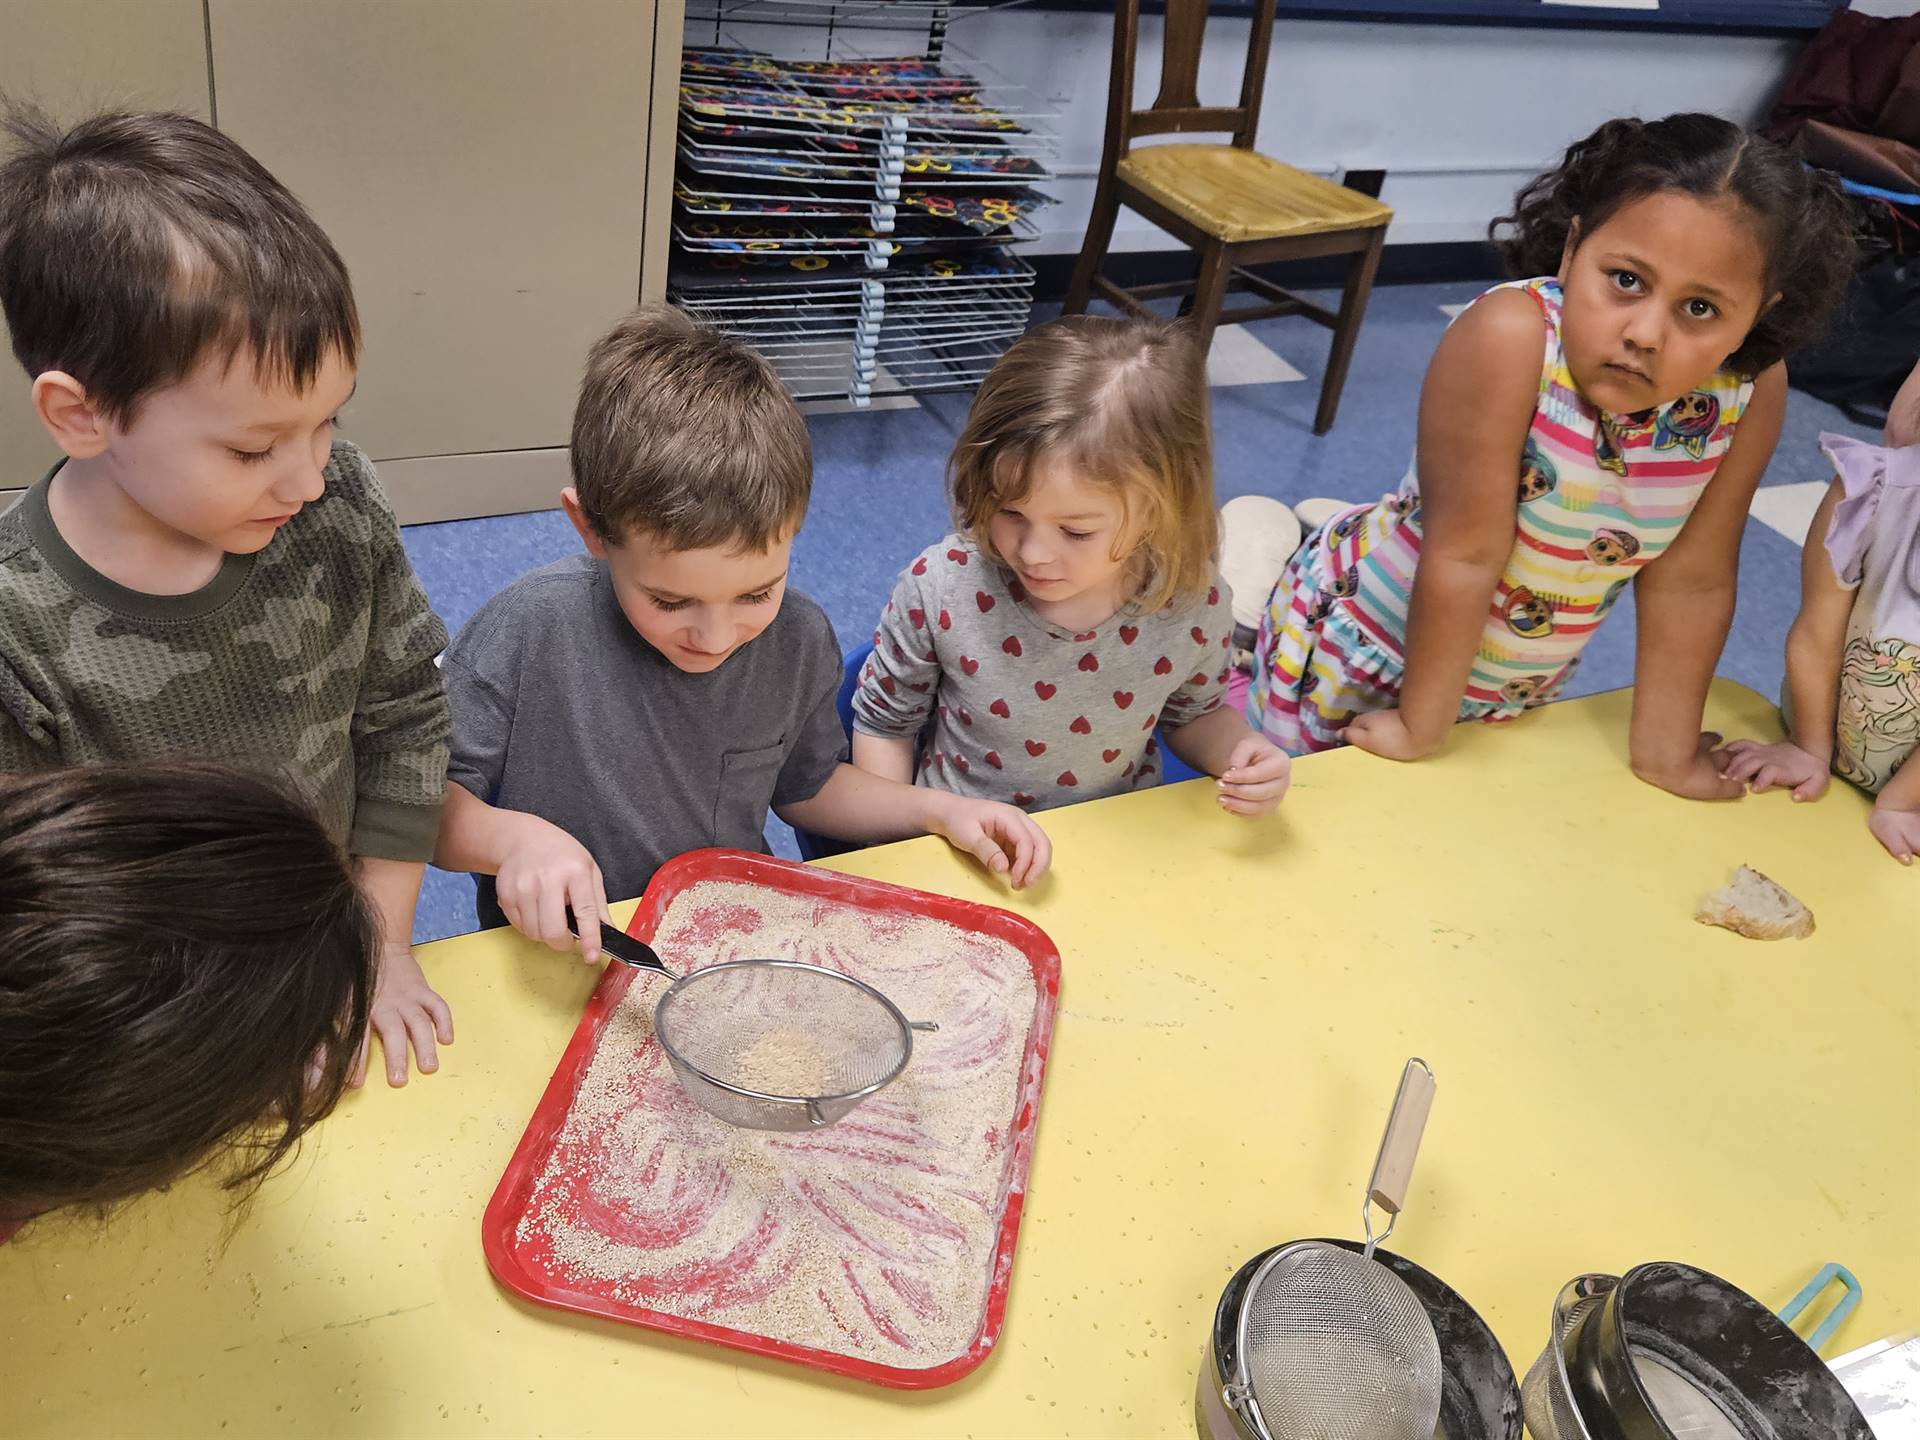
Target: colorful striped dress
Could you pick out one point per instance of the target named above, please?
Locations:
(1600, 496)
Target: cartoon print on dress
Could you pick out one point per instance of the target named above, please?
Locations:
(1345, 586)
(1606, 450)
(1404, 503)
(1523, 688)
(1612, 547)
(1346, 527)
(1687, 424)
(1527, 615)
(1879, 720)
(1309, 680)
(1537, 475)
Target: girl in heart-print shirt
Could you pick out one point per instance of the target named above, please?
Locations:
(1032, 656)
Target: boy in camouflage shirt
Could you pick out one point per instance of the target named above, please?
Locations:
(209, 572)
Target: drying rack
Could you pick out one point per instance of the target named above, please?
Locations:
(852, 211)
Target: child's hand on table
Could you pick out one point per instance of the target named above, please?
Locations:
(1898, 830)
(1003, 838)
(1783, 766)
(1699, 778)
(406, 1011)
(1385, 733)
(1256, 778)
(544, 871)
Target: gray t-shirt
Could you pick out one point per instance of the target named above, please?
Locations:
(560, 709)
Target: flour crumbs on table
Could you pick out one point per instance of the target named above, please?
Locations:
(874, 1237)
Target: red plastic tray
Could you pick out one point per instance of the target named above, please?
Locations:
(505, 1253)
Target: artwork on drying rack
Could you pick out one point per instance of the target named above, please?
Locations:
(851, 213)
(985, 213)
(926, 166)
(690, 271)
(743, 83)
(904, 77)
(757, 233)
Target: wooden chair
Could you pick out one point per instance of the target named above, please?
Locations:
(1234, 205)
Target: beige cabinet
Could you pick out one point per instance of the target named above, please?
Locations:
(484, 167)
(73, 58)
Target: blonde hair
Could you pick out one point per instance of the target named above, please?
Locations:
(1125, 403)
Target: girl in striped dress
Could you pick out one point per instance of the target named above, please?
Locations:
(1606, 420)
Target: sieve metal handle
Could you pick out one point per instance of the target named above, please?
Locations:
(1399, 1147)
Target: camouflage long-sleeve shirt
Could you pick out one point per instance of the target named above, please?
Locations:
(314, 657)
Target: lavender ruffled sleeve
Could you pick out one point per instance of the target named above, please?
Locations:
(1862, 471)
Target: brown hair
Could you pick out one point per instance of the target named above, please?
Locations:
(134, 245)
(687, 435)
(185, 971)
(1124, 402)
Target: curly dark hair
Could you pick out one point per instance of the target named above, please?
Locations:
(186, 967)
(1804, 223)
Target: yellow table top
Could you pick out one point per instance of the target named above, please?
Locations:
(1617, 1084)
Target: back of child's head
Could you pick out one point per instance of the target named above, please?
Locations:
(1124, 404)
(1799, 216)
(134, 247)
(688, 436)
(186, 967)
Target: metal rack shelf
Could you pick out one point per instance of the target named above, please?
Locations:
(851, 213)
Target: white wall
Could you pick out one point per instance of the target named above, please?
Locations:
(1458, 115)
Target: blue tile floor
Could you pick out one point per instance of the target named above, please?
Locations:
(877, 499)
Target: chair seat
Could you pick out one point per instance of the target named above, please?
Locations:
(1236, 195)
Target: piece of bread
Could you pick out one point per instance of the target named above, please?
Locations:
(1752, 905)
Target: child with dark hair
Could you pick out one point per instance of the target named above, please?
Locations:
(1608, 418)
(186, 967)
(209, 572)
(666, 689)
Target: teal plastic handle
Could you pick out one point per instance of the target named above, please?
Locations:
(1848, 1303)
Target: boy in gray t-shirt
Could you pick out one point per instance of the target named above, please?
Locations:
(665, 690)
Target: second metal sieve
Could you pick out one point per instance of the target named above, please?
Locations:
(774, 1044)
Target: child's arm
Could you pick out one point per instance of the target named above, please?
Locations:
(1802, 762)
(539, 870)
(1895, 820)
(1903, 416)
(405, 1009)
(854, 805)
(1684, 603)
(400, 730)
(883, 756)
(1251, 771)
(1475, 410)
(900, 680)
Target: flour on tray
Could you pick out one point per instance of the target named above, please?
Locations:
(872, 1238)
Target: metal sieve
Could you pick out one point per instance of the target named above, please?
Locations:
(1669, 1352)
(1333, 1345)
(773, 1044)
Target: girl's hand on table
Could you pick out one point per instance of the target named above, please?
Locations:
(1256, 778)
(1004, 838)
(1783, 766)
(1385, 733)
(1898, 830)
(1699, 778)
